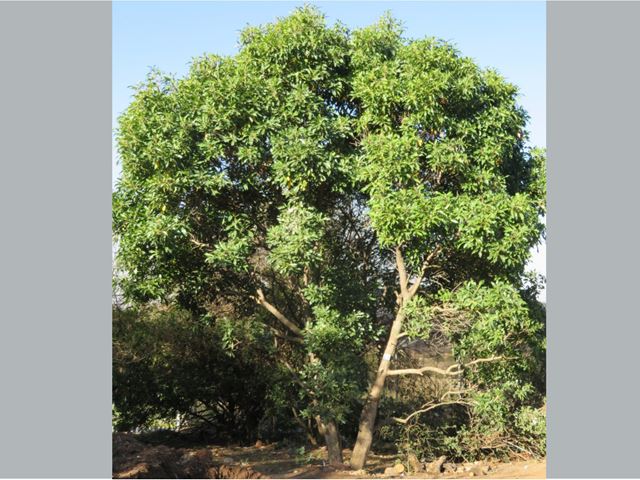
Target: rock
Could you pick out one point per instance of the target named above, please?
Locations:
(399, 468)
(435, 467)
(414, 463)
(227, 460)
(476, 470)
(259, 444)
(389, 471)
(449, 467)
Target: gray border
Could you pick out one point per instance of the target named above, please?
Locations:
(593, 100)
(55, 204)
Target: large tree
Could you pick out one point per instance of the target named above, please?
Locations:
(345, 189)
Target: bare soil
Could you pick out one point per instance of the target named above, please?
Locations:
(135, 459)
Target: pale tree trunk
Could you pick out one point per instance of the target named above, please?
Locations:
(370, 410)
(329, 430)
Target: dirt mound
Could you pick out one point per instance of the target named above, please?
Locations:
(135, 459)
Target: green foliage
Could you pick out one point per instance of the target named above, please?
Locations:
(500, 413)
(165, 362)
(286, 174)
(295, 241)
(498, 323)
(531, 425)
(234, 251)
(418, 318)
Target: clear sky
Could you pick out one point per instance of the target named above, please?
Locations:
(508, 36)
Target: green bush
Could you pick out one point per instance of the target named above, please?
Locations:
(215, 373)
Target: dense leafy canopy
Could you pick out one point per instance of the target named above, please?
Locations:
(274, 186)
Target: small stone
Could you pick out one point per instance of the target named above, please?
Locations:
(414, 463)
(449, 467)
(399, 468)
(389, 471)
(227, 460)
(259, 444)
(435, 467)
(476, 470)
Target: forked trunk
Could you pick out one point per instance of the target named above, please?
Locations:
(329, 431)
(370, 410)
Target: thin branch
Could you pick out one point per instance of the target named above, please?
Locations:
(261, 300)
(455, 369)
(421, 371)
(425, 265)
(431, 407)
(198, 243)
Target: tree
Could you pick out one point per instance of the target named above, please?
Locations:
(452, 190)
(236, 192)
(334, 186)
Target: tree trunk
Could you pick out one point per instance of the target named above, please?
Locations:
(370, 410)
(332, 439)
(307, 427)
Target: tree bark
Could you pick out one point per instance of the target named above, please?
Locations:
(329, 431)
(370, 410)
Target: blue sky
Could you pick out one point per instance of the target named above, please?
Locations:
(508, 36)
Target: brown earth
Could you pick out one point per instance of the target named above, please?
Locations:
(135, 459)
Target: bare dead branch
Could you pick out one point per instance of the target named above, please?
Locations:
(455, 369)
(431, 407)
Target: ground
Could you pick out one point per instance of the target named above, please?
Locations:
(133, 459)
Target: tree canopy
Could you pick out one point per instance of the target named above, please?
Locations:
(345, 190)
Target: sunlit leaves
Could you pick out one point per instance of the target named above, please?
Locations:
(235, 250)
(499, 323)
(418, 318)
(295, 241)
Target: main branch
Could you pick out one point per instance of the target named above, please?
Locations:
(260, 299)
